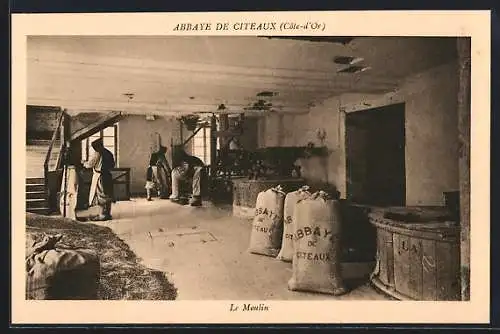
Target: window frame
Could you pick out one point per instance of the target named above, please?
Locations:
(206, 148)
(100, 134)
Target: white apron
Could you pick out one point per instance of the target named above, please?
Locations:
(93, 186)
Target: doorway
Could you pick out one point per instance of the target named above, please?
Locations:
(375, 154)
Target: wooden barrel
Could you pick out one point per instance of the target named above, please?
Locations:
(417, 261)
(69, 192)
(245, 193)
(358, 234)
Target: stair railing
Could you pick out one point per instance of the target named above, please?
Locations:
(62, 145)
(52, 142)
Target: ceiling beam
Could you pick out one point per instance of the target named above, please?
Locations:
(222, 81)
(57, 59)
(75, 107)
(102, 123)
(85, 65)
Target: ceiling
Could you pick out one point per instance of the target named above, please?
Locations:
(169, 74)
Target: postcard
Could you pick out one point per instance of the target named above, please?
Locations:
(251, 167)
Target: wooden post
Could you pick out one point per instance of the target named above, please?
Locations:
(464, 112)
(66, 127)
(172, 152)
(213, 145)
(262, 132)
(181, 128)
(65, 191)
(224, 126)
(64, 154)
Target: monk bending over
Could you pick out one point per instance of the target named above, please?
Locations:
(187, 167)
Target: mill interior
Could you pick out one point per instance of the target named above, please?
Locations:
(370, 124)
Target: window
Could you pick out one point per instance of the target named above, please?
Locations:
(201, 145)
(109, 138)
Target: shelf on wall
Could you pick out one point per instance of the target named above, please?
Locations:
(292, 152)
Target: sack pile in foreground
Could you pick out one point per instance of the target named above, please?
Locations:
(304, 229)
(59, 273)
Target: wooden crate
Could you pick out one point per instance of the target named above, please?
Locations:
(245, 193)
(121, 184)
(417, 261)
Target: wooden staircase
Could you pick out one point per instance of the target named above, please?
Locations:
(36, 196)
(36, 151)
(36, 190)
(44, 157)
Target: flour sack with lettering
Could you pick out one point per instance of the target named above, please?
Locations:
(291, 199)
(267, 227)
(317, 249)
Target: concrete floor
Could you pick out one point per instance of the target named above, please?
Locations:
(204, 253)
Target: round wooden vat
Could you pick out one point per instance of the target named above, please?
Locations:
(417, 261)
(245, 193)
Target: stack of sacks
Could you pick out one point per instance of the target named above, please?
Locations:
(291, 199)
(317, 249)
(267, 227)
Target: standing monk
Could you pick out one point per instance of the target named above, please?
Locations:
(101, 189)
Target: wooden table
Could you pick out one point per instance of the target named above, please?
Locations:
(121, 186)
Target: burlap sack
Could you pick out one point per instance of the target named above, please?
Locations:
(291, 199)
(267, 227)
(317, 249)
(61, 274)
